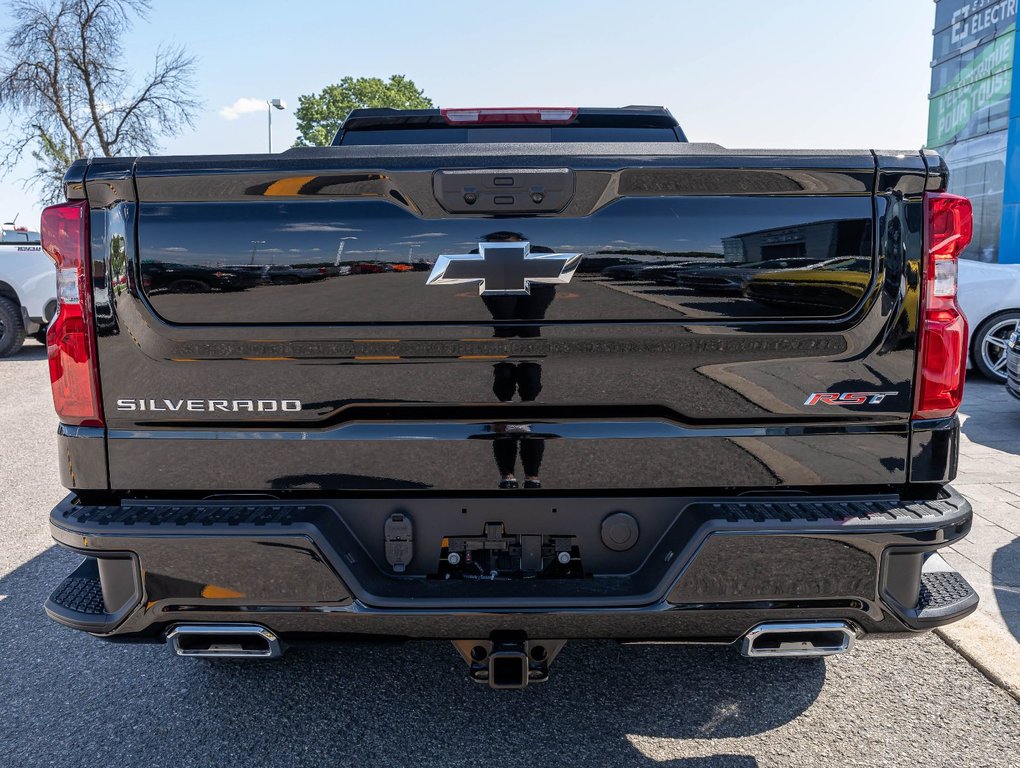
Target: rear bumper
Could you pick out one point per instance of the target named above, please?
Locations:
(702, 570)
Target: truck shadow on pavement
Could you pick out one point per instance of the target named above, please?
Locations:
(399, 704)
(1006, 584)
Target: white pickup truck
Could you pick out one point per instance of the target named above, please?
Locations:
(27, 288)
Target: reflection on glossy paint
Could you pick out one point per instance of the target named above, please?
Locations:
(647, 258)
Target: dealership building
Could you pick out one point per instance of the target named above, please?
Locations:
(972, 121)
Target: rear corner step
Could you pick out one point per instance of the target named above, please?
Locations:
(944, 596)
(80, 602)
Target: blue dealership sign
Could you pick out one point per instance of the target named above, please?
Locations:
(1009, 244)
(969, 118)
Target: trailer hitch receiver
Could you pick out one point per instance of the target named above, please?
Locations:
(508, 659)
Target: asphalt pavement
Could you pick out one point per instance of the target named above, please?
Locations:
(68, 699)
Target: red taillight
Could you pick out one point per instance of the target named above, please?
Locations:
(505, 115)
(70, 339)
(942, 356)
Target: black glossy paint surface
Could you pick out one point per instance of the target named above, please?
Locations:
(367, 261)
(612, 381)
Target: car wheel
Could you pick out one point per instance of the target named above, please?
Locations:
(989, 352)
(40, 336)
(12, 328)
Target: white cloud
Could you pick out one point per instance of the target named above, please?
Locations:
(242, 106)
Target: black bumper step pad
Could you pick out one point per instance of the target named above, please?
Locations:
(80, 594)
(78, 601)
(204, 515)
(858, 512)
(943, 593)
(943, 596)
(839, 511)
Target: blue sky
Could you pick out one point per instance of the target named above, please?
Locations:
(742, 73)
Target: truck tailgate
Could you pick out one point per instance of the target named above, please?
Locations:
(651, 316)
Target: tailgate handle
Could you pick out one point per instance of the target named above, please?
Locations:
(490, 191)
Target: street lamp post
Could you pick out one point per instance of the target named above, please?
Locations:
(272, 104)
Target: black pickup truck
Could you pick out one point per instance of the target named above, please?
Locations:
(383, 390)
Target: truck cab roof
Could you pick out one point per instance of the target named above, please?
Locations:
(513, 124)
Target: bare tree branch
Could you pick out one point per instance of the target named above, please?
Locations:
(67, 96)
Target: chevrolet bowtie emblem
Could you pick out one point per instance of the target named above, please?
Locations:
(504, 268)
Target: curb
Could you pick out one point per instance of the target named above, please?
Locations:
(989, 647)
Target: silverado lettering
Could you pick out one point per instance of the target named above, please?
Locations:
(559, 382)
(236, 406)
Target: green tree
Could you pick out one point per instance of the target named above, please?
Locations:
(67, 94)
(319, 114)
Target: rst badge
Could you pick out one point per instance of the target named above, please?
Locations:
(847, 398)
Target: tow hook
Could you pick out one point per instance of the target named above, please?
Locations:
(509, 659)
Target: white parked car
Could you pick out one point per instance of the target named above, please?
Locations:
(28, 288)
(989, 295)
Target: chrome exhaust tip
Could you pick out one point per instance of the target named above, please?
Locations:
(810, 638)
(224, 641)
